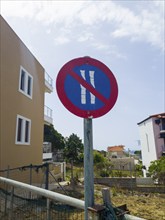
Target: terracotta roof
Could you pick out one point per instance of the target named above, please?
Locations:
(115, 148)
(161, 115)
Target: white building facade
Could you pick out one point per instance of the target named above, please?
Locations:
(152, 137)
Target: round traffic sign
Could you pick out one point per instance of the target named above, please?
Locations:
(87, 87)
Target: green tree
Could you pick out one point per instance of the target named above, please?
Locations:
(53, 136)
(73, 152)
(138, 153)
(157, 170)
(98, 158)
(138, 168)
(73, 149)
(102, 165)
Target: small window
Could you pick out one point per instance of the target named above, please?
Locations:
(147, 140)
(27, 131)
(25, 83)
(29, 87)
(19, 129)
(23, 127)
(22, 86)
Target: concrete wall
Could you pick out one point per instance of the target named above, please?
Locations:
(128, 183)
(152, 189)
(144, 181)
(125, 163)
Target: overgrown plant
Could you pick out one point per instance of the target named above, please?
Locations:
(157, 170)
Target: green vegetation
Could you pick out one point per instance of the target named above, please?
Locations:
(102, 165)
(138, 152)
(73, 153)
(157, 170)
(138, 168)
(53, 136)
(73, 150)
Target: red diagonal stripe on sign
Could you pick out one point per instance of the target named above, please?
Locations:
(89, 87)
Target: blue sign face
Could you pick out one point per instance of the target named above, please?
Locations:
(87, 87)
(81, 96)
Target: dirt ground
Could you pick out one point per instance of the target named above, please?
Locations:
(150, 206)
(147, 206)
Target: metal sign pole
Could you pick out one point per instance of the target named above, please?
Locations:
(76, 79)
(88, 165)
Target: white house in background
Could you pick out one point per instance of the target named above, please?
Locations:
(152, 137)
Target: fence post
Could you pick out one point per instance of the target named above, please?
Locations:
(47, 176)
(97, 211)
(8, 168)
(64, 170)
(106, 196)
(30, 180)
(108, 204)
(11, 203)
(48, 209)
(130, 166)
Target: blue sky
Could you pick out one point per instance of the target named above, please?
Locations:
(127, 36)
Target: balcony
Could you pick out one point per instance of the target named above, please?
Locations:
(162, 133)
(48, 83)
(47, 156)
(47, 151)
(48, 119)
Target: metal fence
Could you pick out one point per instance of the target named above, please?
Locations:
(41, 175)
(26, 202)
(22, 201)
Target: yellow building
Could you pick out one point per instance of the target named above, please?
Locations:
(22, 89)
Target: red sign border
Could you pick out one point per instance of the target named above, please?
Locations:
(60, 81)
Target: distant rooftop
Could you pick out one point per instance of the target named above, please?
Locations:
(115, 148)
(161, 115)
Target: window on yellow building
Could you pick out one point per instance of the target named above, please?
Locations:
(23, 129)
(25, 83)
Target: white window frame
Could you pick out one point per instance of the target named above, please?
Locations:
(22, 130)
(25, 82)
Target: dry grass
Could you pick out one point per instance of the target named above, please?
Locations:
(150, 206)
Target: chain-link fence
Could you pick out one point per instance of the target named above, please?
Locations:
(41, 175)
(22, 201)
